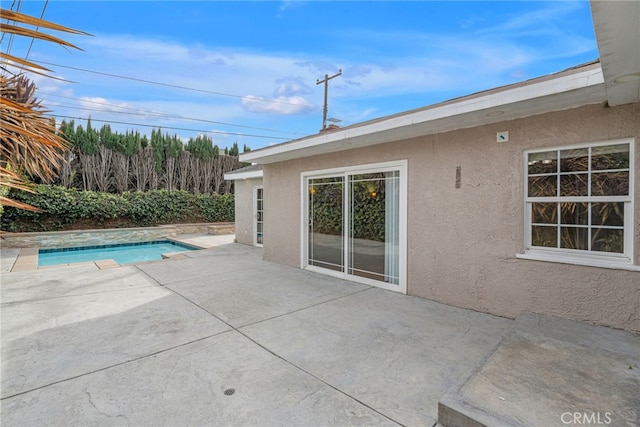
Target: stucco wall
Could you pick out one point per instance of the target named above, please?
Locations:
(244, 209)
(462, 243)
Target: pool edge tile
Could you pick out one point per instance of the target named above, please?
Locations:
(189, 242)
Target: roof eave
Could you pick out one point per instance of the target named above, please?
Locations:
(618, 36)
(243, 175)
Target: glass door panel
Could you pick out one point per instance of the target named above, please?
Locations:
(326, 223)
(373, 239)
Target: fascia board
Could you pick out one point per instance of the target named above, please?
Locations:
(243, 175)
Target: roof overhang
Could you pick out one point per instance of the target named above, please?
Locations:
(617, 28)
(569, 89)
(251, 172)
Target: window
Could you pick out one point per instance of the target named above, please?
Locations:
(579, 201)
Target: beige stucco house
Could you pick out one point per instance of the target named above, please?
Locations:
(524, 198)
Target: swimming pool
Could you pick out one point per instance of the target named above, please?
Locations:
(126, 253)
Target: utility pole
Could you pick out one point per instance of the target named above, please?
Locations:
(326, 91)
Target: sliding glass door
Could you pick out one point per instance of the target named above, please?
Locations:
(354, 224)
(326, 235)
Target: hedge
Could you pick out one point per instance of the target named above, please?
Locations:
(69, 208)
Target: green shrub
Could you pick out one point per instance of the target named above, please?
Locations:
(66, 209)
(216, 210)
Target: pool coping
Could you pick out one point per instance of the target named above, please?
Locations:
(27, 259)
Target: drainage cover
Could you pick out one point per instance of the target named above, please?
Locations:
(229, 391)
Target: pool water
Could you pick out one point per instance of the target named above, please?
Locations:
(122, 253)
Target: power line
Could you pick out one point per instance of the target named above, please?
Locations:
(165, 127)
(44, 8)
(161, 115)
(143, 112)
(10, 43)
(164, 84)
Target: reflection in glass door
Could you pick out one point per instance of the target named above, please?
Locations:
(373, 226)
(325, 238)
(258, 197)
(354, 224)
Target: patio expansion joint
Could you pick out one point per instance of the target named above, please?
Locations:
(288, 362)
(308, 307)
(115, 365)
(331, 386)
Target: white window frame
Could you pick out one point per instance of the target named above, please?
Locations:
(580, 257)
(401, 166)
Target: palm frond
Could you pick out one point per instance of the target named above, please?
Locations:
(5, 201)
(23, 62)
(11, 15)
(27, 32)
(30, 145)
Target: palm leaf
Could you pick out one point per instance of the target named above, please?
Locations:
(11, 58)
(5, 201)
(26, 32)
(30, 145)
(10, 15)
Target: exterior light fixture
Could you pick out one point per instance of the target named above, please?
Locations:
(627, 78)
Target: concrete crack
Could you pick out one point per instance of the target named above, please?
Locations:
(90, 399)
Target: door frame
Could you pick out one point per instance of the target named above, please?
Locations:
(401, 166)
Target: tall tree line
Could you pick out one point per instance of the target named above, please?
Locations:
(108, 161)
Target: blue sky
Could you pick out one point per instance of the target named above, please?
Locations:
(254, 65)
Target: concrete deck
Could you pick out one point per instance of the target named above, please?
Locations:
(221, 337)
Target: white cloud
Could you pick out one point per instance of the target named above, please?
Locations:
(288, 4)
(47, 84)
(318, 67)
(541, 20)
(440, 63)
(102, 104)
(290, 86)
(125, 48)
(282, 105)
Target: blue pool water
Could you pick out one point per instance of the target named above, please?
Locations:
(122, 253)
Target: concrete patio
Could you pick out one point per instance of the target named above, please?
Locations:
(221, 337)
